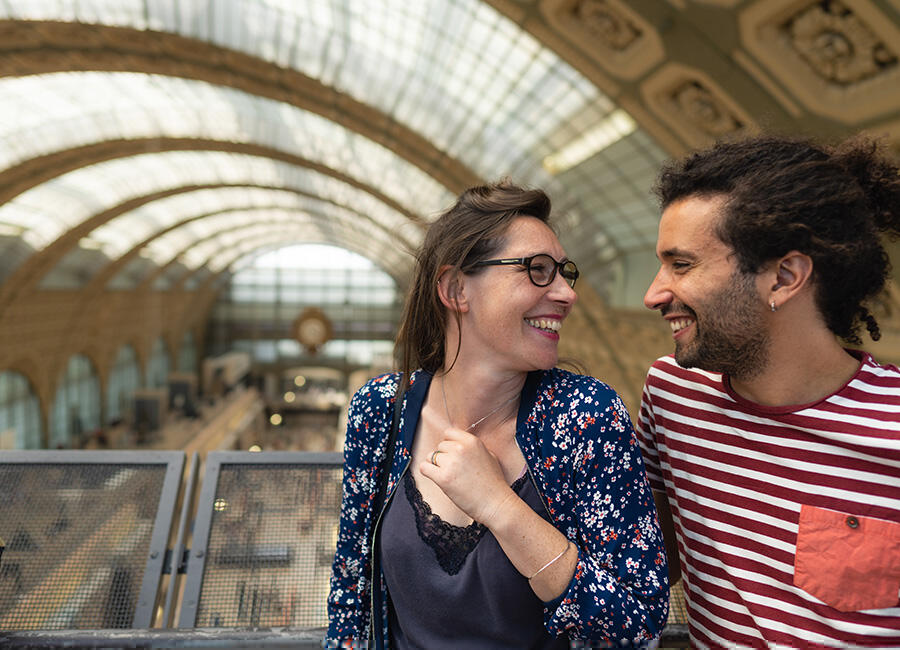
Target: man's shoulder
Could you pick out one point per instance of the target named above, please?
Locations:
(876, 369)
(667, 369)
(874, 382)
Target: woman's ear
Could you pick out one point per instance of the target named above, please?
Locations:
(450, 289)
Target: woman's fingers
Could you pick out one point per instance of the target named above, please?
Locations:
(467, 472)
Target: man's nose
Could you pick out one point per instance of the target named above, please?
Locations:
(658, 293)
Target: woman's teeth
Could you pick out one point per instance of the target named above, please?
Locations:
(551, 325)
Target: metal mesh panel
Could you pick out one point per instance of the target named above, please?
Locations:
(677, 606)
(77, 537)
(271, 541)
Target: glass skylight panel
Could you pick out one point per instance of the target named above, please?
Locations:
(287, 227)
(243, 264)
(46, 211)
(205, 253)
(233, 250)
(312, 256)
(129, 13)
(123, 232)
(139, 106)
(190, 243)
(180, 240)
(455, 71)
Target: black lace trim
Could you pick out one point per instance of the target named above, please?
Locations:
(451, 544)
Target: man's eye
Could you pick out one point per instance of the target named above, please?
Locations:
(680, 266)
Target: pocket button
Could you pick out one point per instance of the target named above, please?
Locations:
(852, 522)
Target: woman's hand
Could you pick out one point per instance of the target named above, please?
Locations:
(469, 474)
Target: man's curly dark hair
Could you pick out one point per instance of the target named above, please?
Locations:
(784, 194)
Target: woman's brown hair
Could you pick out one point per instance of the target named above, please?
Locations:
(471, 230)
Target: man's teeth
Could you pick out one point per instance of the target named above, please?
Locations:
(680, 324)
(551, 325)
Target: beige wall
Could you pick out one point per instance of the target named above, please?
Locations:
(40, 331)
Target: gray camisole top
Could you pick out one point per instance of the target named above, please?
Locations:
(453, 587)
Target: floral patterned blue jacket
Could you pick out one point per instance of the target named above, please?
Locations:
(584, 459)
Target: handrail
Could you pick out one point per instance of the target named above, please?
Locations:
(302, 638)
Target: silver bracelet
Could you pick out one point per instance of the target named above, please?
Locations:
(563, 552)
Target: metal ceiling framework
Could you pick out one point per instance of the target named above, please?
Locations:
(116, 116)
(149, 144)
(166, 241)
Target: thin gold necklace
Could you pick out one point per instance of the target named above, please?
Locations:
(476, 423)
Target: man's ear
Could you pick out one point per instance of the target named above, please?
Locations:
(789, 275)
(451, 284)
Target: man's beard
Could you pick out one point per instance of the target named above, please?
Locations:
(731, 336)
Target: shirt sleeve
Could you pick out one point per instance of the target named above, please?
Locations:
(646, 431)
(619, 592)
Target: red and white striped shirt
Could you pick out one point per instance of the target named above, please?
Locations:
(739, 475)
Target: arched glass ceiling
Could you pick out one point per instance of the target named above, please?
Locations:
(226, 251)
(456, 72)
(316, 256)
(231, 256)
(192, 250)
(197, 209)
(209, 252)
(47, 211)
(308, 257)
(44, 113)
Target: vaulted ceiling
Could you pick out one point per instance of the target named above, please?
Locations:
(166, 141)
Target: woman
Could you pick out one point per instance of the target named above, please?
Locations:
(517, 511)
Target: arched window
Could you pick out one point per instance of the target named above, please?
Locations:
(76, 407)
(158, 365)
(20, 413)
(187, 354)
(124, 379)
(264, 297)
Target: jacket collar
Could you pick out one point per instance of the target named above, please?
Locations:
(418, 390)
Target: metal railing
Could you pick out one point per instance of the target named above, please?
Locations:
(248, 564)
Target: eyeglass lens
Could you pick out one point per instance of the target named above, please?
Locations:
(542, 270)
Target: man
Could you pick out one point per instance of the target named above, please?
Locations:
(773, 450)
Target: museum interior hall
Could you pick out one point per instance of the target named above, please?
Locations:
(209, 212)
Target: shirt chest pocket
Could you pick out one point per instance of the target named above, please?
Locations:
(850, 563)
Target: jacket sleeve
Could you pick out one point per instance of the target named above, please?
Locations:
(348, 600)
(619, 592)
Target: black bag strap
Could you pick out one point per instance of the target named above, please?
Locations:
(389, 452)
(380, 497)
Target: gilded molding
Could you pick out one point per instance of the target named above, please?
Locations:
(837, 45)
(840, 59)
(612, 27)
(694, 106)
(614, 36)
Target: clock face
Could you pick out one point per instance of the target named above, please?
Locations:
(312, 328)
(312, 331)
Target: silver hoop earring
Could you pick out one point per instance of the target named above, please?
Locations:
(773, 305)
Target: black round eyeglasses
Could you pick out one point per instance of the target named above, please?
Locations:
(541, 268)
